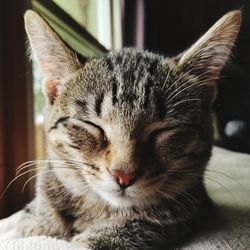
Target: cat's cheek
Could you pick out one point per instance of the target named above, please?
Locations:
(108, 183)
(56, 136)
(161, 156)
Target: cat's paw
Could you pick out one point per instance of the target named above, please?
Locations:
(81, 240)
(9, 226)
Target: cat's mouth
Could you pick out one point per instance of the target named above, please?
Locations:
(122, 192)
(117, 196)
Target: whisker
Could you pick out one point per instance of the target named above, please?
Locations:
(164, 84)
(72, 161)
(34, 176)
(186, 100)
(171, 197)
(81, 162)
(193, 84)
(189, 173)
(38, 167)
(180, 191)
(27, 162)
(182, 171)
(69, 163)
(218, 183)
(229, 177)
(178, 91)
(25, 167)
(175, 83)
(186, 195)
(31, 178)
(32, 163)
(17, 177)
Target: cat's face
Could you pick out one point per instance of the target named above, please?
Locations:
(116, 114)
(137, 125)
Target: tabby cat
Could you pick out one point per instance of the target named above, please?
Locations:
(129, 134)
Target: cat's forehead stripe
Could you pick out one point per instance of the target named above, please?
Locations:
(98, 104)
(109, 63)
(148, 87)
(114, 92)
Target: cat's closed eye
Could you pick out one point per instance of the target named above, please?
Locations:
(157, 130)
(86, 132)
(97, 131)
(161, 134)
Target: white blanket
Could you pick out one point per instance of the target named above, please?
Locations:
(11, 240)
(235, 207)
(36, 243)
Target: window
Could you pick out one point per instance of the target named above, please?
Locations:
(20, 137)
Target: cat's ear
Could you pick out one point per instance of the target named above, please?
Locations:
(55, 59)
(208, 55)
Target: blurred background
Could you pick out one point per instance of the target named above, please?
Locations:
(93, 27)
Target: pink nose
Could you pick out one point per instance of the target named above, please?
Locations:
(123, 179)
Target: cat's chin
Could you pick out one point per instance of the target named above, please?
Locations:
(119, 199)
(124, 199)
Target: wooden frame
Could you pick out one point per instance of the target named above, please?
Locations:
(16, 105)
(2, 154)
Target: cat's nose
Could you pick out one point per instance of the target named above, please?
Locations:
(123, 179)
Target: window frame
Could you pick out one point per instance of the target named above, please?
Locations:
(71, 32)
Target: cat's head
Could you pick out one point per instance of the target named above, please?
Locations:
(132, 127)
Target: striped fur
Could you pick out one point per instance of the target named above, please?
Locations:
(131, 111)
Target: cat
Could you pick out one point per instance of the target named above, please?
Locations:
(129, 135)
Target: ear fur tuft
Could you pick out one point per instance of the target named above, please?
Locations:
(209, 54)
(55, 59)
